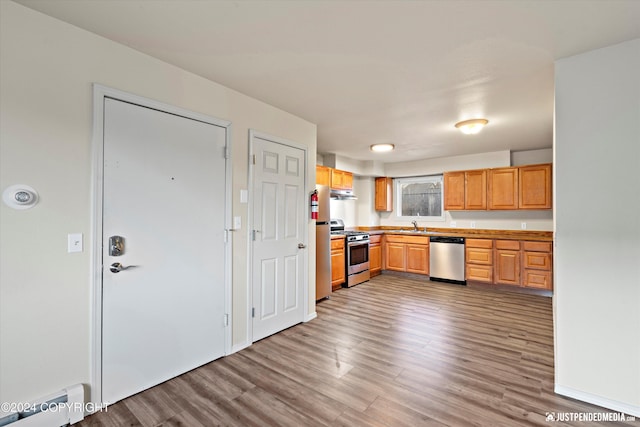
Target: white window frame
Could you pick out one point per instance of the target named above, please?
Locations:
(426, 178)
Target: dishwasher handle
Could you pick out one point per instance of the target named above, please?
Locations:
(446, 239)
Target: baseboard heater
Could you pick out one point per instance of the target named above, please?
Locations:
(59, 409)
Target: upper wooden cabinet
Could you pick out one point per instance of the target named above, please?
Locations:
(334, 178)
(534, 187)
(341, 180)
(453, 191)
(384, 194)
(475, 190)
(465, 190)
(512, 188)
(323, 175)
(503, 189)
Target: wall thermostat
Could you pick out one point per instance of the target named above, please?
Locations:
(20, 196)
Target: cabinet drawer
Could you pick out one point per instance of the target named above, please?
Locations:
(537, 279)
(479, 256)
(480, 273)
(418, 240)
(375, 238)
(537, 246)
(537, 260)
(479, 243)
(337, 244)
(513, 245)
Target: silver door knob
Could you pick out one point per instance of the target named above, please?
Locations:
(301, 246)
(116, 267)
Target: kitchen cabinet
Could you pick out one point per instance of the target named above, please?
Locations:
(338, 269)
(323, 175)
(417, 258)
(341, 180)
(453, 183)
(465, 190)
(475, 190)
(406, 253)
(507, 262)
(534, 187)
(479, 260)
(384, 194)
(503, 189)
(536, 264)
(375, 255)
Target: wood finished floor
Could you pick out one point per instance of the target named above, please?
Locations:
(394, 351)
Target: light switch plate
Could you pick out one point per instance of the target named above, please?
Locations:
(244, 196)
(237, 223)
(74, 242)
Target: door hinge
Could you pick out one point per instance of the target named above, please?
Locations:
(253, 312)
(226, 319)
(227, 153)
(253, 159)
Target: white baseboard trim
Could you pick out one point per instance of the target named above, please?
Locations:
(614, 405)
(237, 347)
(310, 317)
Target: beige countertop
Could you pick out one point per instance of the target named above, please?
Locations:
(469, 233)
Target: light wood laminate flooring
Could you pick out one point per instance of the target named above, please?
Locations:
(394, 351)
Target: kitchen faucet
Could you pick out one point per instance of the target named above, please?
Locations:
(415, 225)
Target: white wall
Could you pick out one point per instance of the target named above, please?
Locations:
(357, 212)
(46, 71)
(531, 157)
(597, 255)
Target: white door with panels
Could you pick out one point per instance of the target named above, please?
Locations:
(279, 236)
(163, 279)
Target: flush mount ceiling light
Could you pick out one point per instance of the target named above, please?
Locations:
(381, 148)
(471, 126)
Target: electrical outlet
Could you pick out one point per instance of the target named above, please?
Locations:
(523, 225)
(453, 224)
(473, 224)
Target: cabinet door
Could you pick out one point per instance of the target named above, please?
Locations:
(475, 190)
(338, 271)
(453, 191)
(480, 273)
(337, 179)
(535, 187)
(347, 181)
(503, 189)
(537, 279)
(384, 194)
(394, 256)
(375, 259)
(417, 259)
(323, 175)
(507, 267)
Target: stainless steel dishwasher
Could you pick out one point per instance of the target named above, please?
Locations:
(446, 259)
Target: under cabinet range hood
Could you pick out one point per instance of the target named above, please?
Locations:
(342, 195)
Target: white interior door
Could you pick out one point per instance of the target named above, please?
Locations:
(278, 266)
(164, 193)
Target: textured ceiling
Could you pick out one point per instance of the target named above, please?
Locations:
(374, 72)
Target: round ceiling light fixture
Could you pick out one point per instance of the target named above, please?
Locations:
(472, 126)
(381, 148)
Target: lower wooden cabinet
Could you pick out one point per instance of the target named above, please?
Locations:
(479, 260)
(406, 253)
(417, 258)
(537, 265)
(509, 262)
(338, 270)
(375, 255)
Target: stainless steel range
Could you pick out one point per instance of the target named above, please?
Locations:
(357, 257)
